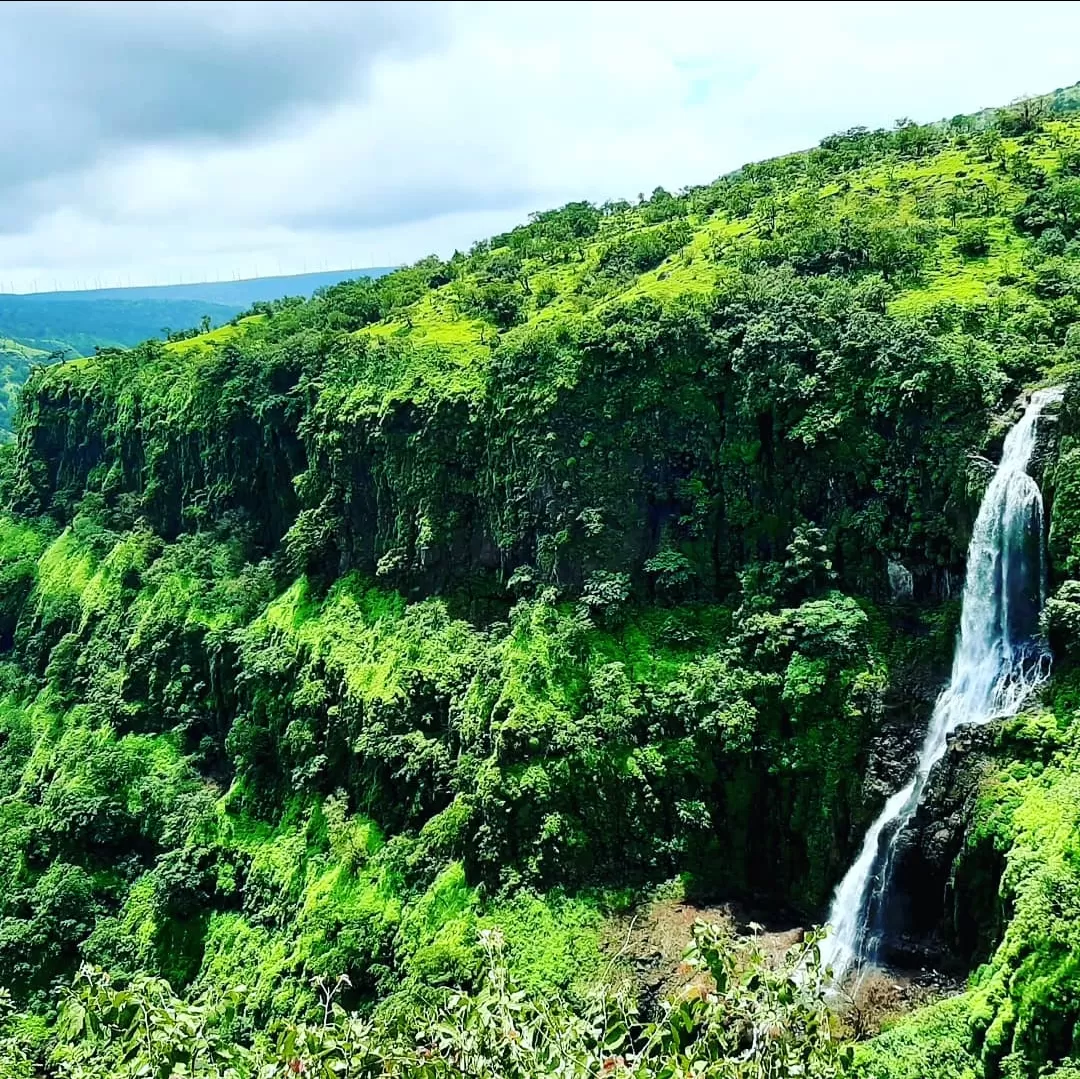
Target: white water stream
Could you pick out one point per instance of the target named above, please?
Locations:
(999, 660)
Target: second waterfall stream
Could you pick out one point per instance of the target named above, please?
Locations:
(999, 660)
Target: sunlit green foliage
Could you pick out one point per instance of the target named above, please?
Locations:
(745, 1019)
(16, 361)
(342, 637)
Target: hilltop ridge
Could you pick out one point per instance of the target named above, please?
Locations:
(43, 326)
(901, 194)
(233, 292)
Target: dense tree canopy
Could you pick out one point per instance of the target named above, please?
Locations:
(476, 601)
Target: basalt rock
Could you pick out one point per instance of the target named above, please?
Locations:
(931, 920)
(905, 712)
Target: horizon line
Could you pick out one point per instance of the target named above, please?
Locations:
(208, 281)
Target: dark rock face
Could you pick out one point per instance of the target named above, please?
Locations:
(898, 731)
(894, 749)
(1047, 442)
(924, 923)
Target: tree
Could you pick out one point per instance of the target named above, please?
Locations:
(500, 302)
(988, 141)
(808, 569)
(956, 202)
(1024, 116)
(973, 240)
(1054, 207)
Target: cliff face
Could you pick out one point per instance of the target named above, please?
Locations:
(617, 445)
(715, 479)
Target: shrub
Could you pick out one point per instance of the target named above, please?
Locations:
(740, 1017)
(973, 239)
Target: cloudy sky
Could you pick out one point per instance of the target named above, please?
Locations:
(146, 143)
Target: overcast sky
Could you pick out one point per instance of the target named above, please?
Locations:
(148, 143)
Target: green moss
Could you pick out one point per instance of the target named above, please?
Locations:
(64, 572)
(437, 937)
(1028, 997)
(554, 942)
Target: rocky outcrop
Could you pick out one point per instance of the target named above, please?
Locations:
(923, 924)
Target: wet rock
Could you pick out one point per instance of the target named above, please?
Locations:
(938, 584)
(894, 747)
(901, 581)
(1047, 439)
(923, 924)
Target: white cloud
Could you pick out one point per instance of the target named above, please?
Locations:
(429, 131)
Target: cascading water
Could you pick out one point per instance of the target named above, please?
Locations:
(999, 660)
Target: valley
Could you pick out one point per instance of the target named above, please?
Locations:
(47, 327)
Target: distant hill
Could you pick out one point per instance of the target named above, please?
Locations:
(77, 326)
(37, 327)
(230, 293)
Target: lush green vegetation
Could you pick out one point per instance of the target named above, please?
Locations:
(472, 602)
(46, 327)
(744, 1018)
(15, 363)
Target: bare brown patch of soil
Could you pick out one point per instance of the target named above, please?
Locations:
(651, 943)
(880, 995)
(654, 940)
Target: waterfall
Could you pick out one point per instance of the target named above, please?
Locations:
(999, 660)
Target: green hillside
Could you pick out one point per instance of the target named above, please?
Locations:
(49, 325)
(371, 662)
(15, 362)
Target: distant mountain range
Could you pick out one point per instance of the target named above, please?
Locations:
(241, 293)
(37, 327)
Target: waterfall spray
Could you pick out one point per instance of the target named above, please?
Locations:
(999, 660)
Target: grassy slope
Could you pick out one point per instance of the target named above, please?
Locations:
(949, 276)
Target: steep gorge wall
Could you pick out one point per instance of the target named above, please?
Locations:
(604, 605)
(675, 445)
(675, 455)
